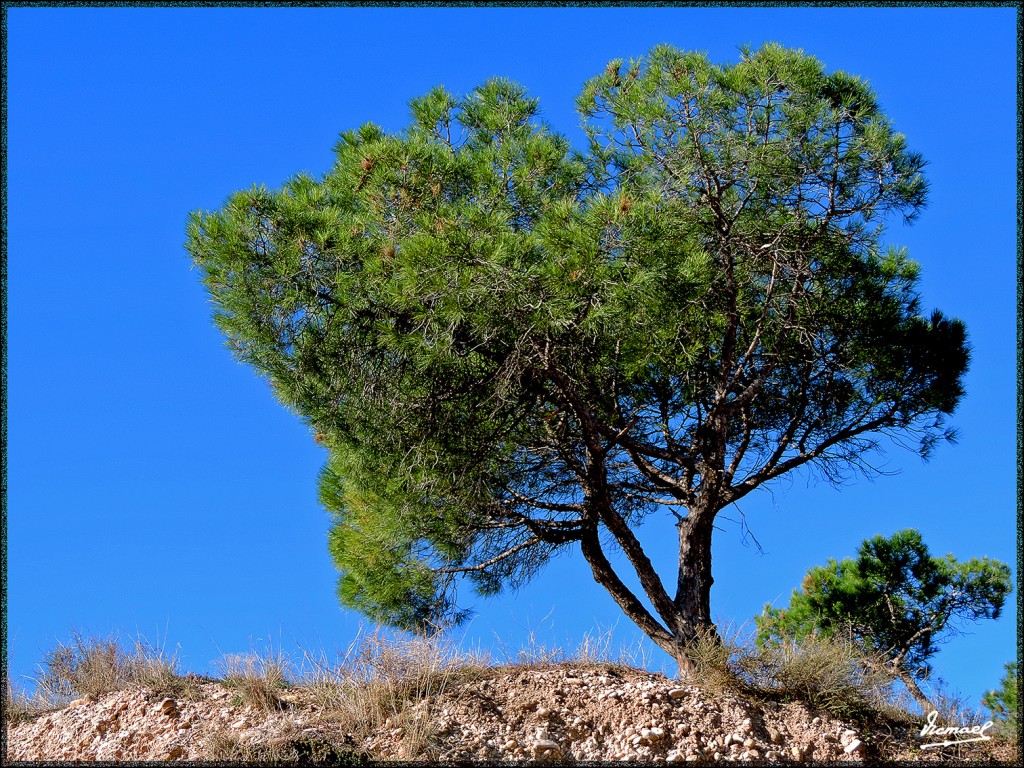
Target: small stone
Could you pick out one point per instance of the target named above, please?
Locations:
(677, 693)
(543, 712)
(87, 699)
(168, 707)
(545, 746)
(728, 740)
(816, 721)
(853, 746)
(795, 751)
(748, 743)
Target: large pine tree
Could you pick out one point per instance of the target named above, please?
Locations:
(510, 347)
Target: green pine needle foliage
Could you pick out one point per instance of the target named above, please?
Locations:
(510, 346)
(1003, 701)
(895, 600)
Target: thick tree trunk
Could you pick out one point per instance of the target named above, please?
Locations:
(693, 589)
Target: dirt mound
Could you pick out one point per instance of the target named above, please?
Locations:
(563, 714)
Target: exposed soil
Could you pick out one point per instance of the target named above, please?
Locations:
(559, 714)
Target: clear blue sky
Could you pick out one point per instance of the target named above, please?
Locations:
(155, 485)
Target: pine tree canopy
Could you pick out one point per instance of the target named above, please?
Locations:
(510, 346)
(1003, 701)
(894, 600)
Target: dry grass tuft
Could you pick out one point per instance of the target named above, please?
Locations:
(19, 707)
(595, 649)
(385, 681)
(713, 662)
(289, 748)
(97, 666)
(826, 674)
(257, 680)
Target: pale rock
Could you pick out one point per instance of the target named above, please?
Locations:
(853, 746)
(546, 748)
(169, 707)
(677, 693)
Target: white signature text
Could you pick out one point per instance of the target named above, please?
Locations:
(974, 732)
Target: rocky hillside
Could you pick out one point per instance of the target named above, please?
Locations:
(562, 713)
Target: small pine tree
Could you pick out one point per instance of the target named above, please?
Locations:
(1003, 702)
(894, 600)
